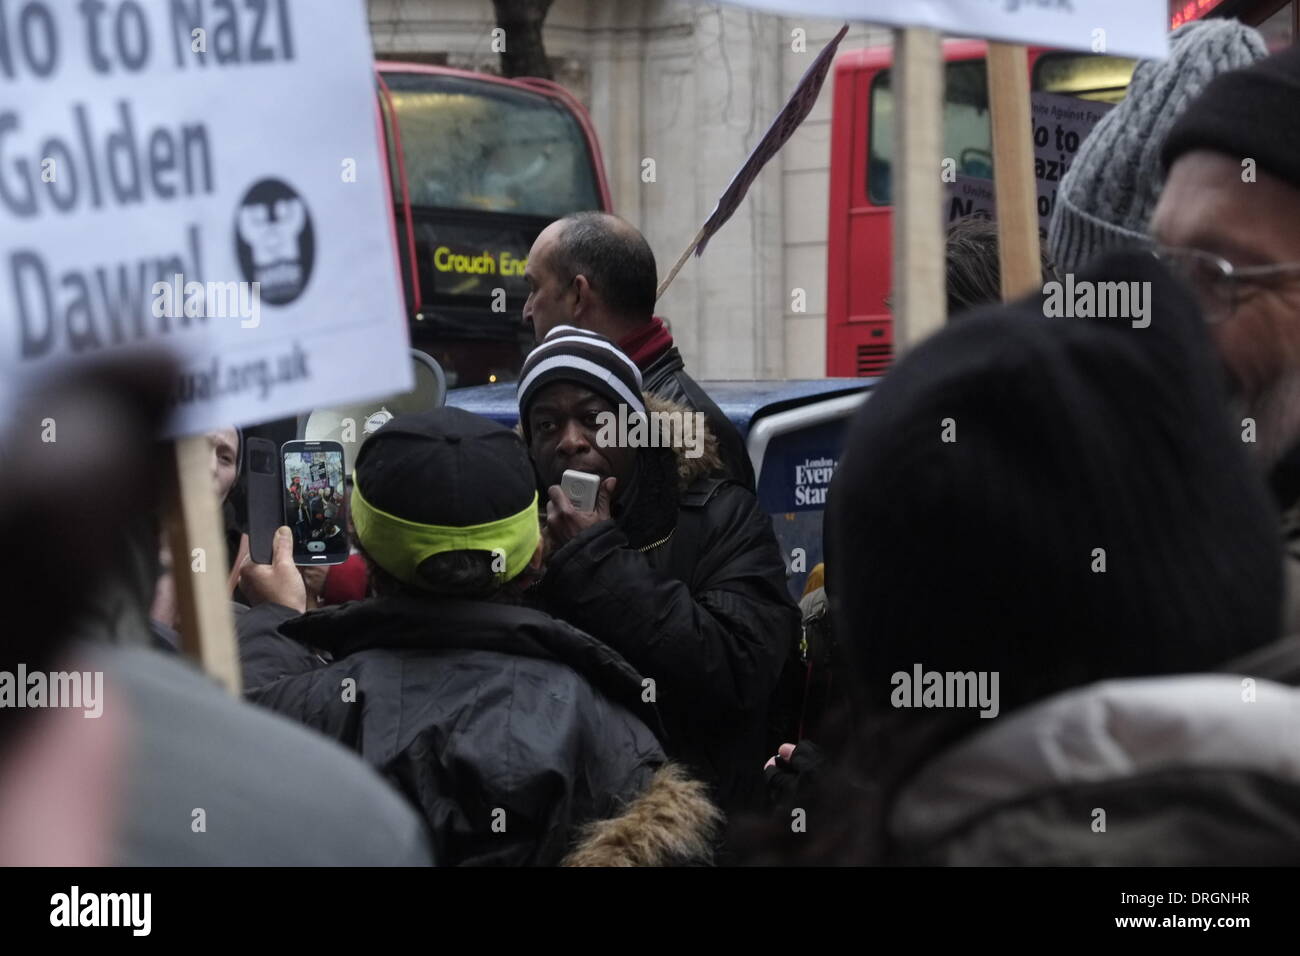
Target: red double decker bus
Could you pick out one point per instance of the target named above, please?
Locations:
(859, 327)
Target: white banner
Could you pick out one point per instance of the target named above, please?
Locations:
(207, 177)
(1120, 27)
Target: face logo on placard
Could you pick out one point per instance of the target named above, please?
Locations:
(274, 241)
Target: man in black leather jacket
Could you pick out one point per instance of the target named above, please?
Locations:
(596, 272)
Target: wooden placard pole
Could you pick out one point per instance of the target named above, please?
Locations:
(1013, 170)
(920, 302)
(199, 564)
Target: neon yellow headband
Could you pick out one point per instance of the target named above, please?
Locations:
(400, 546)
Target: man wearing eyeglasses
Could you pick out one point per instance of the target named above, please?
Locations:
(1228, 221)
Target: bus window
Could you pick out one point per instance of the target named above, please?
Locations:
(1087, 76)
(967, 134)
(482, 147)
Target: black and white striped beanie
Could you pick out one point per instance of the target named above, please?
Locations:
(570, 354)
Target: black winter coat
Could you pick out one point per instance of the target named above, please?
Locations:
(690, 588)
(666, 377)
(507, 728)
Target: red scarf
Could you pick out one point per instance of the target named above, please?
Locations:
(647, 344)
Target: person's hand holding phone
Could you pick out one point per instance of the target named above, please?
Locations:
(564, 521)
(279, 582)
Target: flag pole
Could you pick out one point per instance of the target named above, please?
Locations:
(794, 112)
(681, 261)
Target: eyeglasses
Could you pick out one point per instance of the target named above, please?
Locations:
(1219, 285)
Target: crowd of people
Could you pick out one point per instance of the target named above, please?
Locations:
(1086, 529)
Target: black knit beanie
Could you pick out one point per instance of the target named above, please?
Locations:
(1247, 114)
(1076, 445)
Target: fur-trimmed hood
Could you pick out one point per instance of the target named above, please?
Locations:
(688, 469)
(673, 823)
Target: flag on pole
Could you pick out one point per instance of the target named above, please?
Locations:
(787, 121)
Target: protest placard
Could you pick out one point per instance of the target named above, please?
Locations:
(206, 177)
(1120, 27)
(1060, 126)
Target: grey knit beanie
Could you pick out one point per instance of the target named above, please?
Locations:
(1107, 197)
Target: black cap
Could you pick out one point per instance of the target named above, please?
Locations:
(446, 467)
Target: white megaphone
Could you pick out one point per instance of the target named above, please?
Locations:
(351, 425)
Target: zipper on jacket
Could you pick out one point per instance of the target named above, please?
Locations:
(651, 547)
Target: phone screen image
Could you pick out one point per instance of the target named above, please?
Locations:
(314, 501)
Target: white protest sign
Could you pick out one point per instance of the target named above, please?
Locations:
(206, 177)
(969, 196)
(1061, 124)
(1120, 27)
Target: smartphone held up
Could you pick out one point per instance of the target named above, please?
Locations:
(312, 480)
